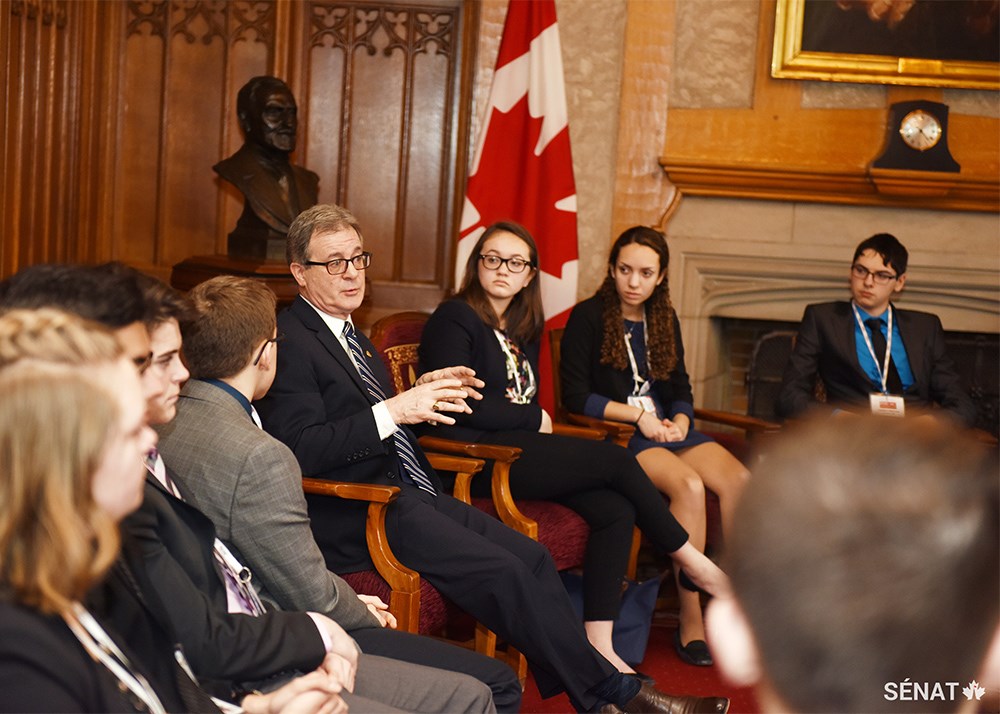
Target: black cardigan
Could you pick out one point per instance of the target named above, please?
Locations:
(582, 374)
(455, 335)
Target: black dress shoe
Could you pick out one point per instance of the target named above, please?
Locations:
(694, 652)
(644, 678)
(652, 700)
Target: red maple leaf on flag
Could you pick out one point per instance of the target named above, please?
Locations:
(523, 170)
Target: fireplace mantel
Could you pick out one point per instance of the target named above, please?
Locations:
(899, 189)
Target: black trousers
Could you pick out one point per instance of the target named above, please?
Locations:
(505, 580)
(604, 484)
(430, 652)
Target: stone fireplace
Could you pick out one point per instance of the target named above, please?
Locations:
(755, 264)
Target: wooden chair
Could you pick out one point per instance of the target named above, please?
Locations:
(417, 606)
(397, 338)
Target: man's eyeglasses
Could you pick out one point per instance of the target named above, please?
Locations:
(880, 277)
(514, 265)
(276, 339)
(338, 266)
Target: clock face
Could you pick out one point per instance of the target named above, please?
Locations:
(920, 130)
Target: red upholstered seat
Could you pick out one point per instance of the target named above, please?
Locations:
(434, 609)
(562, 531)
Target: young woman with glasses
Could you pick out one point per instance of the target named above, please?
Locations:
(494, 325)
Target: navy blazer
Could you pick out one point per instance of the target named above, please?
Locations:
(44, 668)
(826, 346)
(455, 335)
(582, 374)
(319, 407)
(176, 560)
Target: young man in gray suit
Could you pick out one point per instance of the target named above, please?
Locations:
(249, 484)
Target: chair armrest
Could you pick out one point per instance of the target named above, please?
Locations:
(752, 425)
(464, 469)
(579, 432)
(509, 454)
(503, 501)
(404, 601)
(618, 431)
(350, 491)
(503, 457)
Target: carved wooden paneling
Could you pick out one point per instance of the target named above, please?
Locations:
(115, 112)
(383, 82)
(38, 131)
(184, 62)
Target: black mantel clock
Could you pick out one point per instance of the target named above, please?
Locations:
(917, 138)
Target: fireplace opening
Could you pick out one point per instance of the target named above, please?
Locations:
(976, 357)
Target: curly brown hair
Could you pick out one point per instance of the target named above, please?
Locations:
(661, 357)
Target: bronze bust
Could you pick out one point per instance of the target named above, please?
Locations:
(274, 189)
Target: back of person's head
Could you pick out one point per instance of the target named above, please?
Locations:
(162, 302)
(55, 421)
(864, 554)
(231, 318)
(320, 219)
(108, 293)
(55, 337)
(888, 247)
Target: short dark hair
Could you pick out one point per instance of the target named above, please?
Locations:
(231, 317)
(162, 302)
(892, 252)
(864, 552)
(108, 294)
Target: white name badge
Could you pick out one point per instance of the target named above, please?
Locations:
(645, 401)
(887, 405)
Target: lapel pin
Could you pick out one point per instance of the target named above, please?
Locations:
(367, 353)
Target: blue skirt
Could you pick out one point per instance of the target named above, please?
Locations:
(640, 443)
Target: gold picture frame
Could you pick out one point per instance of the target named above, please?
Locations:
(790, 61)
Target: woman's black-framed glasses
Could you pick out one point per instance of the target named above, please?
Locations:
(514, 265)
(276, 339)
(338, 266)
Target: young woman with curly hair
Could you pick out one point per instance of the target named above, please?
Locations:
(623, 359)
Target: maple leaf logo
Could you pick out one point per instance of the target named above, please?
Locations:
(973, 691)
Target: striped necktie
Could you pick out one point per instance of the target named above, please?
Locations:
(404, 449)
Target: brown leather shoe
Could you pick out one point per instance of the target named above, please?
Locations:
(652, 700)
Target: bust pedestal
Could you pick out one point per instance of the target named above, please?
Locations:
(273, 273)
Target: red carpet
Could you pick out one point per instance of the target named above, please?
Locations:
(672, 676)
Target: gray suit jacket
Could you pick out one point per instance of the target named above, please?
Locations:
(249, 484)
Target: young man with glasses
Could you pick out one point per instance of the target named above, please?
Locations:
(846, 345)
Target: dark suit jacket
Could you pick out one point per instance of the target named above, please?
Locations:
(582, 373)
(44, 668)
(455, 335)
(826, 346)
(319, 408)
(176, 559)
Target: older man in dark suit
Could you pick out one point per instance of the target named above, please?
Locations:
(845, 343)
(331, 404)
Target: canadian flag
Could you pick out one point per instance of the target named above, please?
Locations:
(523, 168)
